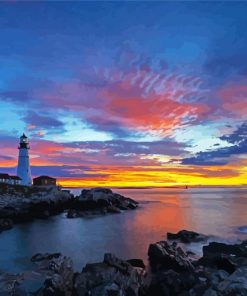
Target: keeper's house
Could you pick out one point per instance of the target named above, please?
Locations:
(7, 179)
(44, 181)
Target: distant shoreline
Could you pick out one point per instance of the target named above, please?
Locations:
(161, 187)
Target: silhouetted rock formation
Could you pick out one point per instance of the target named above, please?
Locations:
(99, 201)
(20, 204)
(220, 272)
(163, 255)
(5, 224)
(174, 272)
(111, 277)
(186, 236)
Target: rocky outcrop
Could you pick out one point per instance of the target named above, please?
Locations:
(5, 224)
(165, 256)
(22, 204)
(55, 276)
(221, 271)
(174, 272)
(111, 277)
(225, 256)
(59, 275)
(186, 236)
(99, 201)
(235, 284)
(136, 263)
(52, 274)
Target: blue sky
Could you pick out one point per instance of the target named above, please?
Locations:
(171, 74)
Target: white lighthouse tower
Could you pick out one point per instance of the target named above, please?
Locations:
(23, 169)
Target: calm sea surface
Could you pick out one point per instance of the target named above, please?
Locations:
(219, 211)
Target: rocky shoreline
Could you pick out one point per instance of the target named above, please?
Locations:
(221, 271)
(19, 204)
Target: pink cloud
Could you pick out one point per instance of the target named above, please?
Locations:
(234, 99)
(138, 98)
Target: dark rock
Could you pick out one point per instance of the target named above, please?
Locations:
(211, 292)
(102, 189)
(123, 207)
(5, 224)
(103, 203)
(113, 290)
(59, 275)
(173, 273)
(214, 249)
(222, 262)
(72, 214)
(111, 277)
(235, 284)
(169, 256)
(113, 210)
(171, 283)
(7, 212)
(43, 214)
(218, 276)
(132, 205)
(199, 289)
(224, 256)
(119, 264)
(137, 263)
(165, 284)
(24, 204)
(48, 256)
(52, 275)
(186, 236)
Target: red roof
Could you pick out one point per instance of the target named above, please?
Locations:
(44, 178)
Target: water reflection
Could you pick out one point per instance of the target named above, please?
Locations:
(210, 211)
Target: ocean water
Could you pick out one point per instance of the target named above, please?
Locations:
(220, 212)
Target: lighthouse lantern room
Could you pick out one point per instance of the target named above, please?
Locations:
(23, 169)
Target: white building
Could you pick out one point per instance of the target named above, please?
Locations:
(23, 169)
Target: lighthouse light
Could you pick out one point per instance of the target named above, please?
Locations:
(23, 168)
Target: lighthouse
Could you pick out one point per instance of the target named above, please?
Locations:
(23, 169)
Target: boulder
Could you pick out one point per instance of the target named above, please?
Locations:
(217, 276)
(52, 275)
(132, 205)
(11, 285)
(23, 204)
(113, 210)
(111, 277)
(59, 274)
(171, 283)
(186, 236)
(224, 256)
(225, 263)
(210, 292)
(47, 256)
(137, 263)
(5, 224)
(104, 197)
(72, 214)
(235, 284)
(163, 255)
(215, 248)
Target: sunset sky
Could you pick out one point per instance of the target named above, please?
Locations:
(126, 93)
